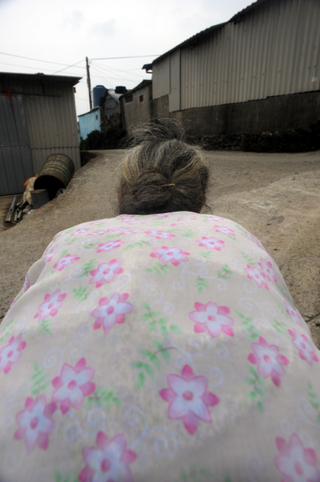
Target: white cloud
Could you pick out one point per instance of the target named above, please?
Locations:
(103, 29)
(75, 20)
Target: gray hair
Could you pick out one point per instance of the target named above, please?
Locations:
(162, 173)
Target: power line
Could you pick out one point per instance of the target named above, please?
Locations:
(118, 70)
(37, 60)
(69, 66)
(80, 98)
(133, 57)
(23, 66)
(99, 75)
(35, 69)
(118, 78)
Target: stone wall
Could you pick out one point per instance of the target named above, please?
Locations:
(279, 113)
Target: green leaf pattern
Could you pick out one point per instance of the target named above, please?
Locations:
(314, 400)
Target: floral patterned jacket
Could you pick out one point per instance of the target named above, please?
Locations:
(157, 348)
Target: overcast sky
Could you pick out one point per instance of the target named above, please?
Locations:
(64, 32)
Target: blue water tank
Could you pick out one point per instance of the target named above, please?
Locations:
(98, 92)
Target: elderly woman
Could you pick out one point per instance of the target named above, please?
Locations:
(161, 345)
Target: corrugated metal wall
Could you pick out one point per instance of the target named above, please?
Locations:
(15, 154)
(161, 78)
(273, 50)
(174, 96)
(51, 120)
(37, 118)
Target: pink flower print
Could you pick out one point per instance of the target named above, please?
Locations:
(212, 318)
(160, 234)
(108, 246)
(35, 423)
(268, 271)
(295, 462)
(214, 218)
(51, 305)
(211, 243)
(105, 272)
(188, 218)
(26, 284)
(179, 220)
(224, 230)
(162, 215)
(129, 218)
(116, 229)
(254, 239)
(73, 385)
(11, 353)
(258, 276)
(111, 311)
(98, 233)
(48, 257)
(131, 231)
(173, 255)
(294, 314)
(80, 231)
(109, 461)
(64, 261)
(306, 350)
(188, 398)
(268, 360)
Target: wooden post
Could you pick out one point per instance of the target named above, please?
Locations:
(89, 82)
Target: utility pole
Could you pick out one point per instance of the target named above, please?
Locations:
(89, 82)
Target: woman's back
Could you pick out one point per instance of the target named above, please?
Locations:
(160, 347)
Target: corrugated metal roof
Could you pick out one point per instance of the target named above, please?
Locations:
(192, 41)
(142, 84)
(42, 77)
(248, 9)
(114, 95)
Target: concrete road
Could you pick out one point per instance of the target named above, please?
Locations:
(275, 196)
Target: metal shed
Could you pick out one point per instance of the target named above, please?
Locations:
(259, 71)
(37, 118)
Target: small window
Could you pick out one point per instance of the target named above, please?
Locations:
(96, 116)
(141, 98)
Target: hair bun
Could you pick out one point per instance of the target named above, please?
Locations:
(157, 131)
(150, 177)
(162, 173)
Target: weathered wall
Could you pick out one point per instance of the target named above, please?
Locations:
(274, 113)
(161, 107)
(139, 109)
(111, 106)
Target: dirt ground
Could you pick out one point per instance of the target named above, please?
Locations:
(274, 196)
